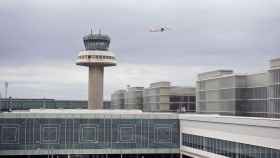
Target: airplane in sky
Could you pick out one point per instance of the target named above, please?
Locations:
(160, 29)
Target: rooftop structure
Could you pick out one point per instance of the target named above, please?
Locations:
(159, 97)
(96, 57)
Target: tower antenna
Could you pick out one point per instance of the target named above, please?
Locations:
(90, 30)
(6, 89)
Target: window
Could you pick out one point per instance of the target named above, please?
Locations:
(185, 98)
(228, 148)
(174, 98)
(192, 98)
(174, 107)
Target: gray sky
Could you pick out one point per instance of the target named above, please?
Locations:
(40, 41)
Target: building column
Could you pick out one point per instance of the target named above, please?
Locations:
(95, 87)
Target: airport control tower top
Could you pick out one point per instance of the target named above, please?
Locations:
(96, 51)
(96, 41)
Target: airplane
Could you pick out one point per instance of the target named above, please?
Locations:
(160, 29)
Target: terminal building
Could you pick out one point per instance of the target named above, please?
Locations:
(158, 97)
(225, 92)
(162, 97)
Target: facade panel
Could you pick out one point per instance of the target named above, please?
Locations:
(67, 134)
(224, 92)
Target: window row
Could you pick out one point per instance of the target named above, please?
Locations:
(96, 57)
(174, 98)
(251, 93)
(227, 82)
(97, 45)
(275, 105)
(239, 93)
(253, 106)
(190, 107)
(228, 148)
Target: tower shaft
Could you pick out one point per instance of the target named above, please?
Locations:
(95, 87)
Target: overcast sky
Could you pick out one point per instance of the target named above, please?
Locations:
(40, 40)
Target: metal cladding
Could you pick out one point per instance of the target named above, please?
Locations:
(96, 42)
(87, 132)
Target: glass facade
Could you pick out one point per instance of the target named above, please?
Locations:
(182, 103)
(217, 95)
(228, 148)
(162, 97)
(238, 99)
(274, 93)
(46, 133)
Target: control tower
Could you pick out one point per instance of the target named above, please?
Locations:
(96, 56)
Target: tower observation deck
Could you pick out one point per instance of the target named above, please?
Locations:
(96, 56)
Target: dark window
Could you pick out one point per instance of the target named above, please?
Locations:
(174, 107)
(228, 148)
(185, 98)
(192, 98)
(174, 99)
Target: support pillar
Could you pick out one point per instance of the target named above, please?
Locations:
(95, 87)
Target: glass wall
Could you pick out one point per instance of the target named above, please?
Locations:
(39, 133)
(228, 148)
(274, 93)
(182, 103)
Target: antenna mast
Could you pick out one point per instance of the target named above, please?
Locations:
(6, 89)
